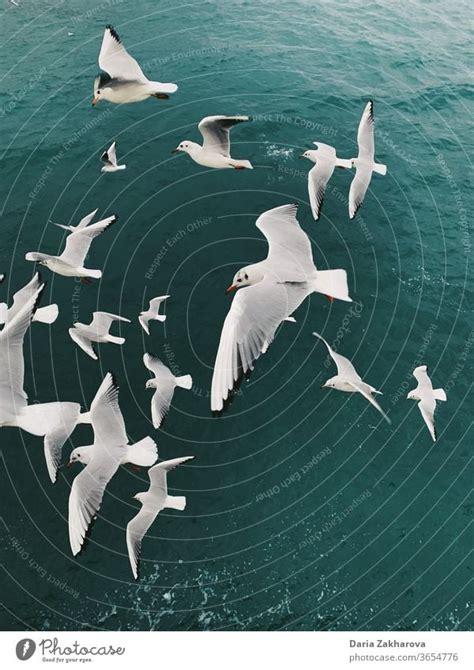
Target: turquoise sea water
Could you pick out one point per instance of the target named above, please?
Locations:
(304, 509)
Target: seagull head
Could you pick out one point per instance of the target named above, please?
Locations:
(152, 383)
(139, 497)
(101, 90)
(245, 277)
(80, 455)
(330, 384)
(185, 147)
(311, 155)
(412, 396)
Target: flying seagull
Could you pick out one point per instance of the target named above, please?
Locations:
(165, 383)
(215, 150)
(365, 162)
(96, 331)
(71, 262)
(47, 314)
(348, 380)
(427, 397)
(153, 501)
(103, 458)
(152, 313)
(125, 81)
(326, 161)
(110, 159)
(270, 291)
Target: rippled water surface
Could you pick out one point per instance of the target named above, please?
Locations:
(304, 509)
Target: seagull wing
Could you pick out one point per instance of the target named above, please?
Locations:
(427, 408)
(359, 186)
(158, 479)
(110, 156)
(161, 401)
(106, 417)
(24, 295)
(318, 178)
(421, 375)
(215, 132)
(55, 438)
(289, 254)
(156, 302)
(136, 530)
(359, 386)
(116, 61)
(365, 134)
(79, 242)
(86, 220)
(249, 328)
(85, 344)
(157, 367)
(344, 366)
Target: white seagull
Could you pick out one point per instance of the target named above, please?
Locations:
(55, 421)
(326, 161)
(153, 501)
(82, 223)
(215, 150)
(125, 81)
(152, 313)
(71, 262)
(103, 458)
(110, 159)
(165, 383)
(270, 292)
(427, 397)
(348, 380)
(96, 331)
(47, 314)
(365, 162)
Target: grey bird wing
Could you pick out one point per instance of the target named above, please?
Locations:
(215, 131)
(116, 61)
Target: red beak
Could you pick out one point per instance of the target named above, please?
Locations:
(231, 288)
(330, 298)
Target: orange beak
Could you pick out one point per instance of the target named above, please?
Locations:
(95, 101)
(231, 288)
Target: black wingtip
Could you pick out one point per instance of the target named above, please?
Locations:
(113, 32)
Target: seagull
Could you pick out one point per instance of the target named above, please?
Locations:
(427, 397)
(54, 421)
(96, 331)
(70, 262)
(153, 501)
(215, 150)
(125, 81)
(47, 314)
(270, 292)
(365, 162)
(348, 380)
(165, 383)
(103, 458)
(152, 313)
(266, 344)
(326, 161)
(110, 159)
(82, 223)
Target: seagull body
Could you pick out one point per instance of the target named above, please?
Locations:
(165, 383)
(153, 501)
(82, 223)
(110, 159)
(104, 457)
(71, 262)
(365, 162)
(125, 81)
(348, 380)
(326, 161)
(152, 313)
(426, 396)
(96, 331)
(54, 421)
(215, 150)
(47, 314)
(272, 291)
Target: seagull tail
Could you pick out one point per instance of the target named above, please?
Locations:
(176, 502)
(94, 274)
(115, 340)
(241, 164)
(159, 87)
(143, 453)
(160, 317)
(332, 283)
(440, 394)
(380, 168)
(184, 382)
(47, 314)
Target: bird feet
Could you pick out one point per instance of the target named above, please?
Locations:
(86, 281)
(161, 96)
